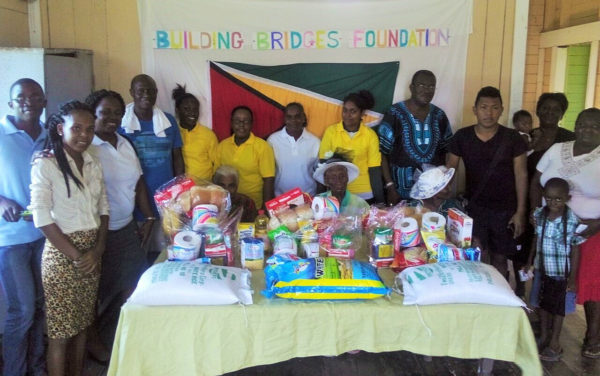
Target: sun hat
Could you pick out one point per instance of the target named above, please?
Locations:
(334, 160)
(431, 182)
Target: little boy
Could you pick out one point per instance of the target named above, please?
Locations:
(523, 122)
(557, 260)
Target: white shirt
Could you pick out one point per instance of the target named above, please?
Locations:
(51, 204)
(582, 172)
(122, 170)
(295, 161)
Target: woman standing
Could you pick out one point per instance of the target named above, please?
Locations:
(124, 259)
(296, 152)
(69, 205)
(351, 137)
(199, 143)
(550, 109)
(250, 155)
(578, 163)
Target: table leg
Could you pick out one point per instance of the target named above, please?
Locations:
(485, 367)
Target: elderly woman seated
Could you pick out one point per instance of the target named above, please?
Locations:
(228, 178)
(335, 173)
(432, 190)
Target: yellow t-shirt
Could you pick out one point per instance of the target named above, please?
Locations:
(199, 151)
(364, 147)
(254, 161)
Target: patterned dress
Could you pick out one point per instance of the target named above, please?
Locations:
(408, 143)
(70, 294)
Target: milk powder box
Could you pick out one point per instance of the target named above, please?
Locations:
(459, 228)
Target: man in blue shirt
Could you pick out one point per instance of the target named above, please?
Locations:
(21, 244)
(157, 140)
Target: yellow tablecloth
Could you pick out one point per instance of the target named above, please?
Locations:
(211, 340)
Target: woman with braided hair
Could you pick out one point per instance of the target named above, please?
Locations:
(69, 205)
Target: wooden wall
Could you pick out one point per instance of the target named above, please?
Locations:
(110, 28)
(14, 23)
(545, 16)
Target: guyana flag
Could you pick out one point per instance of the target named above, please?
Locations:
(319, 87)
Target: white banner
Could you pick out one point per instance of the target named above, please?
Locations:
(179, 37)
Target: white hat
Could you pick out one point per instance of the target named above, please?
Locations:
(431, 182)
(319, 174)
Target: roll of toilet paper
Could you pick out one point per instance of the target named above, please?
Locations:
(186, 246)
(433, 221)
(325, 207)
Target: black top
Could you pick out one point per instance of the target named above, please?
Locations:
(563, 135)
(500, 191)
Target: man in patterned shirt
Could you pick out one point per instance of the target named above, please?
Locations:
(411, 133)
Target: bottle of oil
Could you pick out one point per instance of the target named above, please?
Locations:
(260, 229)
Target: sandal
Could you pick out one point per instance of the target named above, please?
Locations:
(550, 355)
(591, 351)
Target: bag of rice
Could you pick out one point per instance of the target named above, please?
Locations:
(321, 278)
(192, 283)
(456, 282)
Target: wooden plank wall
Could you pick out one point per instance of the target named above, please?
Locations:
(14, 24)
(489, 54)
(548, 15)
(108, 27)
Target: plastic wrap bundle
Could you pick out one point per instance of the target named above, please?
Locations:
(178, 199)
(321, 278)
(340, 237)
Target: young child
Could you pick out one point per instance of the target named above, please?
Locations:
(557, 260)
(523, 122)
(69, 205)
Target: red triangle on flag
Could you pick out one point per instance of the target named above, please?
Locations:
(228, 92)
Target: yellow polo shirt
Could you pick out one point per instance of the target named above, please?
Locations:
(199, 151)
(254, 161)
(364, 146)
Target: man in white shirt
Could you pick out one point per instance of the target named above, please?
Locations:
(296, 153)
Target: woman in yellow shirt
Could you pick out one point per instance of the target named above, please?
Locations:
(250, 155)
(351, 137)
(199, 143)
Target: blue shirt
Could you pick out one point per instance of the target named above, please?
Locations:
(155, 153)
(16, 150)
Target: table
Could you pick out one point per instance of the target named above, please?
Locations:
(211, 340)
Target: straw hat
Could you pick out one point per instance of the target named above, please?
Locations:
(431, 182)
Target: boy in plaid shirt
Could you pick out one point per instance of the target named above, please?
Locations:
(556, 254)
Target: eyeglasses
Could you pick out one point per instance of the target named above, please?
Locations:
(423, 86)
(35, 99)
(241, 122)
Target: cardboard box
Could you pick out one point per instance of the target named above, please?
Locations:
(459, 228)
(293, 197)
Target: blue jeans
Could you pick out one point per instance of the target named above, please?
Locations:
(23, 338)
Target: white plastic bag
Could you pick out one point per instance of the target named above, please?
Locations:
(192, 283)
(456, 282)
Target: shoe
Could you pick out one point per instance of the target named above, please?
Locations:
(591, 351)
(550, 355)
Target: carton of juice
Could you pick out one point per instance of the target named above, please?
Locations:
(459, 228)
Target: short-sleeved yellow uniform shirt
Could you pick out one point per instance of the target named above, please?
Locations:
(199, 151)
(364, 146)
(254, 161)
